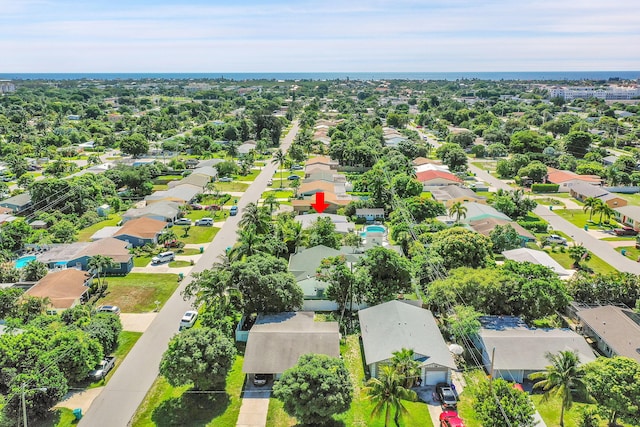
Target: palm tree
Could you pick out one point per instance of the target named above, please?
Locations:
(560, 378)
(167, 237)
(387, 393)
(280, 159)
(607, 211)
(99, 264)
(405, 364)
(589, 204)
(249, 243)
(257, 217)
(578, 253)
(458, 210)
(272, 202)
(597, 207)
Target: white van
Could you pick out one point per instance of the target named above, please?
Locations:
(163, 257)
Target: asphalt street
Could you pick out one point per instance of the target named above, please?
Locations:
(122, 395)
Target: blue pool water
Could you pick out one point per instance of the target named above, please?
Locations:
(21, 262)
(375, 229)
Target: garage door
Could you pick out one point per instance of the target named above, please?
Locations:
(435, 377)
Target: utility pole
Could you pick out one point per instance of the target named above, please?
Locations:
(24, 407)
(493, 356)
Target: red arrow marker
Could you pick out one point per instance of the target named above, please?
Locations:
(320, 205)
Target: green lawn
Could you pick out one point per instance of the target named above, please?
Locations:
(232, 186)
(199, 235)
(630, 252)
(550, 412)
(360, 412)
(594, 263)
(187, 251)
(126, 341)
(579, 218)
(137, 292)
(85, 234)
(60, 417)
(251, 177)
(141, 261)
(170, 406)
(279, 194)
(633, 199)
(179, 264)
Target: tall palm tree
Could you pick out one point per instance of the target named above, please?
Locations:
(272, 202)
(166, 237)
(405, 364)
(561, 377)
(99, 264)
(458, 210)
(280, 158)
(607, 211)
(257, 217)
(387, 393)
(249, 243)
(589, 204)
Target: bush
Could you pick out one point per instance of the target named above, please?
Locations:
(545, 188)
(534, 226)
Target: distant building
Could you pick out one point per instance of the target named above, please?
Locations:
(6, 86)
(609, 93)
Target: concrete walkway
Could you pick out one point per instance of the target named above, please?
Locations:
(79, 399)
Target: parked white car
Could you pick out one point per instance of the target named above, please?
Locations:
(188, 320)
(555, 239)
(163, 257)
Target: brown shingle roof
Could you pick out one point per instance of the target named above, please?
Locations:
(62, 288)
(110, 247)
(144, 228)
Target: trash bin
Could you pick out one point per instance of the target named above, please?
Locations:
(550, 208)
(201, 249)
(623, 252)
(180, 276)
(586, 227)
(77, 413)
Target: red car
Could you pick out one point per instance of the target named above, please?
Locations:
(625, 231)
(450, 419)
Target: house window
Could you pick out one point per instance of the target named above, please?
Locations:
(117, 266)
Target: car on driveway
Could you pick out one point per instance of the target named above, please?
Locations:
(205, 221)
(555, 239)
(450, 419)
(447, 396)
(261, 379)
(293, 177)
(225, 179)
(233, 211)
(625, 231)
(188, 319)
(112, 309)
(182, 221)
(297, 168)
(163, 257)
(103, 368)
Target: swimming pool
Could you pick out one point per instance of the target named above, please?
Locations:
(376, 229)
(22, 261)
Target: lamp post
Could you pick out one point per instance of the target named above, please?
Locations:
(24, 402)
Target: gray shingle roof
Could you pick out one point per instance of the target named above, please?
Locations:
(536, 257)
(306, 262)
(277, 341)
(618, 327)
(395, 325)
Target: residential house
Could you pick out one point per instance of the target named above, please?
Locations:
(17, 203)
(448, 195)
(537, 257)
(246, 147)
(141, 231)
(422, 164)
(485, 227)
(64, 289)
(629, 215)
(328, 175)
(480, 211)
(195, 179)
(609, 160)
(335, 202)
(276, 342)
(614, 330)
(437, 178)
(209, 171)
(394, 325)
(164, 211)
(305, 263)
(321, 161)
(181, 194)
(370, 214)
(582, 191)
(567, 179)
(312, 187)
(77, 255)
(209, 163)
(341, 222)
(520, 350)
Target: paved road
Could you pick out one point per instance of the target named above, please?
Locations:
(601, 249)
(118, 402)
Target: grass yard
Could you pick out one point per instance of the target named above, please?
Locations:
(126, 341)
(232, 186)
(194, 215)
(137, 292)
(60, 417)
(594, 263)
(630, 252)
(179, 264)
(170, 406)
(160, 187)
(360, 412)
(279, 194)
(579, 218)
(251, 177)
(187, 251)
(633, 199)
(85, 234)
(550, 412)
(199, 235)
(141, 261)
(549, 201)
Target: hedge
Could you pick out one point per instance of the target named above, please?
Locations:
(545, 188)
(535, 226)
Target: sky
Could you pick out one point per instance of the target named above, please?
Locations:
(318, 36)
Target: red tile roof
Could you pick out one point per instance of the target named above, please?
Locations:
(430, 175)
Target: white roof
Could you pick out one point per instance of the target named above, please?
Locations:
(536, 257)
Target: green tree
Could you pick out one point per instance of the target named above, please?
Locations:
(578, 253)
(256, 217)
(323, 232)
(198, 356)
(458, 210)
(504, 237)
(590, 203)
(9, 300)
(463, 322)
(615, 385)
(167, 237)
(561, 379)
(387, 394)
(578, 143)
(405, 364)
(384, 274)
(341, 279)
(99, 264)
(280, 159)
(135, 145)
(453, 156)
(315, 389)
(459, 247)
(271, 202)
(105, 328)
(527, 141)
(226, 168)
(34, 271)
(496, 404)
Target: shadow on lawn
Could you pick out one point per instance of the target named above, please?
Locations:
(332, 423)
(191, 409)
